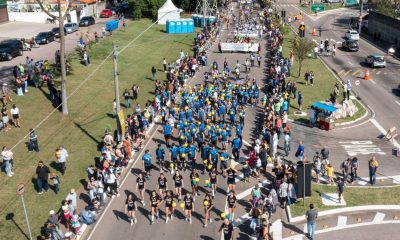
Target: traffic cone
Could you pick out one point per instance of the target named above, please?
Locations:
(366, 75)
(314, 32)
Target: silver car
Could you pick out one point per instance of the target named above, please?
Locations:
(376, 60)
(71, 27)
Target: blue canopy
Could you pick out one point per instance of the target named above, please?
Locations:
(324, 107)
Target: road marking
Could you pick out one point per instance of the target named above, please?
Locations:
(357, 72)
(351, 64)
(246, 142)
(383, 131)
(357, 225)
(374, 70)
(397, 102)
(378, 72)
(248, 191)
(354, 148)
(342, 221)
(344, 74)
(305, 228)
(372, 81)
(378, 217)
(276, 229)
(340, 72)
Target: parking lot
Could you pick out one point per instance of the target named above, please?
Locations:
(29, 30)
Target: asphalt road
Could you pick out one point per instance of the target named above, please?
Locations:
(363, 137)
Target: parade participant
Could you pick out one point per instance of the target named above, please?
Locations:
(189, 207)
(236, 145)
(227, 229)
(155, 201)
(208, 205)
(160, 153)
(231, 200)
(192, 155)
(167, 133)
(213, 181)
(162, 185)
(169, 206)
(174, 156)
(194, 180)
(204, 152)
(178, 184)
(224, 157)
(130, 207)
(213, 156)
(141, 187)
(147, 163)
(231, 172)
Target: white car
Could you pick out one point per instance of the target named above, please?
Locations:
(352, 35)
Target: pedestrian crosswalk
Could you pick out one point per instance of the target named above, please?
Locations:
(359, 72)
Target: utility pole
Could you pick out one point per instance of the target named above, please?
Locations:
(116, 89)
(204, 14)
(116, 83)
(360, 19)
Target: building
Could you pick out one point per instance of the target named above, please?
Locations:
(3, 11)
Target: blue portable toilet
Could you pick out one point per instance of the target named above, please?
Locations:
(194, 18)
(178, 28)
(172, 27)
(111, 25)
(185, 26)
(167, 26)
(190, 26)
(212, 19)
(199, 22)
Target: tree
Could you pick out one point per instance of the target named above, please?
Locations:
(60, 18)
(301, 47)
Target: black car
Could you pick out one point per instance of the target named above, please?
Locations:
(56, 32)
(86, 21)
(350, 45)
(45, 37)
(10, 48)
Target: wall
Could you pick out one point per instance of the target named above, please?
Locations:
(3, 13)
(37, 17)
(387, 27)
(90, 10)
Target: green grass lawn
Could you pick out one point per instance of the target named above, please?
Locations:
(352, 196)
(82, 130)
(324, 83)
(327, 7)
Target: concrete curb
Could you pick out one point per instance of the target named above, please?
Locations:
(346, 210)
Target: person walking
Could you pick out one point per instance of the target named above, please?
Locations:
(147, 163)
(165, 64)
(127, 98)
(311, 216)
(7, 156)
(153, 73)
(373, 166)
(61, 156)
(300, 151)
(33, 141)
(130, 208)
(4, 116)
(340, 189)
(42, 172)
(300, 100)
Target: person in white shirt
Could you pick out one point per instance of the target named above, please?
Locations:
(72, 197)
(7, 156)
(15, 116)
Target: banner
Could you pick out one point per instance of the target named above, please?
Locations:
(252, 35)
(239, 47)
(121, 123)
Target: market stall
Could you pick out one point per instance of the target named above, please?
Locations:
(324, 113)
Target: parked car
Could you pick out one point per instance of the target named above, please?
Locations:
(352, 35)
(376, 60)
(106, 13)
(87, 21)
(45, 37)
(10, 49)
(71, 27)
(350, 45)
(56, 31)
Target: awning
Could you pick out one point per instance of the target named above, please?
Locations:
(325, 107)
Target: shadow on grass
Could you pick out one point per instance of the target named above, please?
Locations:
(10, 217)
(95, 139)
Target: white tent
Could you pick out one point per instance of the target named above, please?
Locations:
(168, 11)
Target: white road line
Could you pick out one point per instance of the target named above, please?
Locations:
(305, 228)
(378, 217)
(372, 81)
(342, 221)
(397, 102)
(357, 225)
(276, 229)
(246, 142)
(383, 131)
(351, 64)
